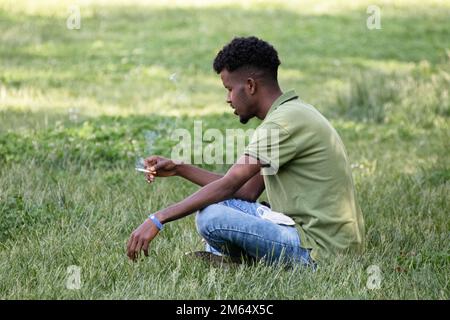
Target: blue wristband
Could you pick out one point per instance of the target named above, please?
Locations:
(155, 220)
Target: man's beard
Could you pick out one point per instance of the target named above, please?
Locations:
(243, 120)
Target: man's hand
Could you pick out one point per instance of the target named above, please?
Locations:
(159, 167)
(218, 190)
(140, 239)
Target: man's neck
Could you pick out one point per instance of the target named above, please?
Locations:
(267, 101)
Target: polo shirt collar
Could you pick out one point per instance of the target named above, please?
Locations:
(288, 95)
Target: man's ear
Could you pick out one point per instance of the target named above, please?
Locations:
(251, 86)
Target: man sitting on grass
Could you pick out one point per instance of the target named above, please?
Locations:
(303, 167)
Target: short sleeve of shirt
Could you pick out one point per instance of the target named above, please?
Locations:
(272, 145)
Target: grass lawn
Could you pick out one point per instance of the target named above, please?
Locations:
(77, 107)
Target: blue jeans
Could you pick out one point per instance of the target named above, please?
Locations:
(233, 227)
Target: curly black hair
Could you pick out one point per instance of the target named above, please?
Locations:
(248, 51)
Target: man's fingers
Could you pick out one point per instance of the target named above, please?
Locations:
(131, 248)
(150, 178)
(145, 247)
(137, 249)
(130, 241)
(150, 161)
(160, 164)
(130, 244)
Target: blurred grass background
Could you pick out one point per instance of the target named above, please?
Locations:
(76, 107)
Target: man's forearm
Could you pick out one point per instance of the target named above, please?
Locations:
(214, 192)
(197, 175)
(250, 191)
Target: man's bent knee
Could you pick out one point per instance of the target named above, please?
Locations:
(208, 217)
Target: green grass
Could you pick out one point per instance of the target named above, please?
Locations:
(68, 191)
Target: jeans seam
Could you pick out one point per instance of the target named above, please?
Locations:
(255, 235)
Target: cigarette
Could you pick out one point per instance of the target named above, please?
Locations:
(142, 170)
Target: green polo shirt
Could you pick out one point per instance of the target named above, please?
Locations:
(307, 176)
